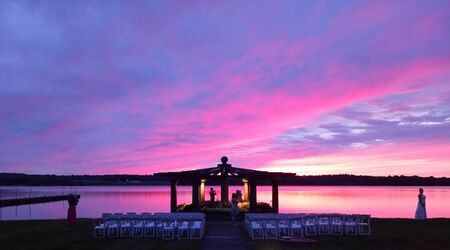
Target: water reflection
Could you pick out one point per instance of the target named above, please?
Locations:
(378, 201)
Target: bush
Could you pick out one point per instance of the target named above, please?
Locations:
(185, 207)
(215, 204)
(210, 204)
(263, 207)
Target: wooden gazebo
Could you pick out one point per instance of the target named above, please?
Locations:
(223, 173)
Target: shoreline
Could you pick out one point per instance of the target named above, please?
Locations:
(19, 179)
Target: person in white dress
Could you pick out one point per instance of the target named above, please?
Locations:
(421, 211)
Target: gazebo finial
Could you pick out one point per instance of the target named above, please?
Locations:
(224, 159)
(224, 167)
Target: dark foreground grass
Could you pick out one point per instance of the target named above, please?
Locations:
(433, 234)
(54, 234)
(387, 234)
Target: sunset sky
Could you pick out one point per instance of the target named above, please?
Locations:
(312, 87)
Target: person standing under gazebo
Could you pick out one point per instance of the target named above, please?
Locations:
(239, 195)
(212, 195)
(234, 208)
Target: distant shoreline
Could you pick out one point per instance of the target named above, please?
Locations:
(18, 179)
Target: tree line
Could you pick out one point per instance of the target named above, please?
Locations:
(17, 179)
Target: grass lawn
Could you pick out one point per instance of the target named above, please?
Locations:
(387, 234)
(433, 234)
(54, 234)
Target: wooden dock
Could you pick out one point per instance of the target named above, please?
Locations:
(36, 200)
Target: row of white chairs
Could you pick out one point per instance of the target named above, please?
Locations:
(168, 226)
(278, 226)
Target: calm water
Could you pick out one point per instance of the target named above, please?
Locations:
(385, 202)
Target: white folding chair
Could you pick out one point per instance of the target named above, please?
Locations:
(296, 228)
(168, 230)
(310, 225)
(271, 229)
(337, 224)
(196, 230)
(125, 229)
(364, 224)
(350, 223)
(117, 216)
(256, 229)
(99, 230)
(284, 228)
(146, 216)
(113, 229)
(149, 228)
(137, 228)
(131, 216)
(107, 217)
(159, 229)
(183, 230)
(323, 222)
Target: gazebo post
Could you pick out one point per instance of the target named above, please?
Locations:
(275, 200)
(202, 191)
(173, 196)
(245, 190)
(253, 202)
(195, 195)
(224, 190)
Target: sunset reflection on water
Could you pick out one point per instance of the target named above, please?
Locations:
(383, 202)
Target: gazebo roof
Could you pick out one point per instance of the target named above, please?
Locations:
(224, 169)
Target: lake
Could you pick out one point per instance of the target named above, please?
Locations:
(381, 202)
